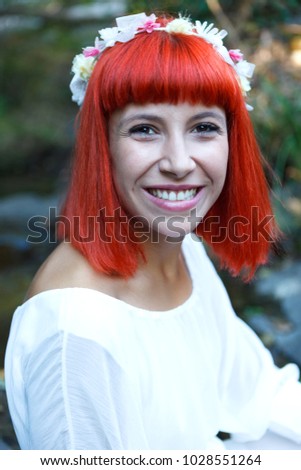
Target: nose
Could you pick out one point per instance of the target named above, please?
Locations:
(176, 158)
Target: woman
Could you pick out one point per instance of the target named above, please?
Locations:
(127, 339)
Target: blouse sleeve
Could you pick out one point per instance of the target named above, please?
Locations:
(80, 398)
(255, 394)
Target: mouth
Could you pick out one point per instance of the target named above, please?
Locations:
(174, 195)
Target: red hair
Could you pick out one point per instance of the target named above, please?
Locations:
(173, 68)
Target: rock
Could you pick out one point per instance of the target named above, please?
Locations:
(282, 283)
(290, 345)
(16, 210)
(96, 10)
(292, 308)
(8, 440)
(4, 446)
(284, 333)
(21, 216)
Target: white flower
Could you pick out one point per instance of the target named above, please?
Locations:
(223, 51)
(83, 66)
(109, 35)
(132, 21)
(99, 44)
(126, 34)
(78, 88)
(210, 34)
(244, 83)
(244, 71)
(179, 25)
(128, 26)
(245, 68)
(126, 29)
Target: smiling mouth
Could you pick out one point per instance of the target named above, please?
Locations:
(170, 195)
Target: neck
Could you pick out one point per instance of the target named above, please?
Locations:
(160, 283)
(163, 258)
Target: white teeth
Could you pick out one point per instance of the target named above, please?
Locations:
(174, 195)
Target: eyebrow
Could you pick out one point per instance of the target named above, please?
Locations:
(140, 117)
(207, 114)
(156, 118)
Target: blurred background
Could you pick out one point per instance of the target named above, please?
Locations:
(38, 42)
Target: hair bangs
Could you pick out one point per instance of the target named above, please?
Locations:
(164, 67)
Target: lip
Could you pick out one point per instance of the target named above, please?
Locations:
(174, 187)
(175, 206)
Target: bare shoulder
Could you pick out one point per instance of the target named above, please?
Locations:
(67, 267)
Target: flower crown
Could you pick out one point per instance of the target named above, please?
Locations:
(127, 28)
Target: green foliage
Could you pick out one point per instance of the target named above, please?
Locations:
(195, 9)
(35, 108)
(277, 124)
(271, 13)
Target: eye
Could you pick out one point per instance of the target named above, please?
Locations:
(207, 129)
(143, 131)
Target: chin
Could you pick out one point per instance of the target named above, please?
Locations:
(172, 232)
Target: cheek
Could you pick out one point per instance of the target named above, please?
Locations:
(117, 172)
(223, 167)
(223, 154)
(217, 163)
(124, 174)
(119, 179)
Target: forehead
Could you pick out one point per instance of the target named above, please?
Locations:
(166, 111)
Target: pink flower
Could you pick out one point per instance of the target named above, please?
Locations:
(236, 55)
(90, 51)
(149, 26)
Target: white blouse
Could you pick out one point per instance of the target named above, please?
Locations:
(87, 371)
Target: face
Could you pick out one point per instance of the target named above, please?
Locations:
(169, 163)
